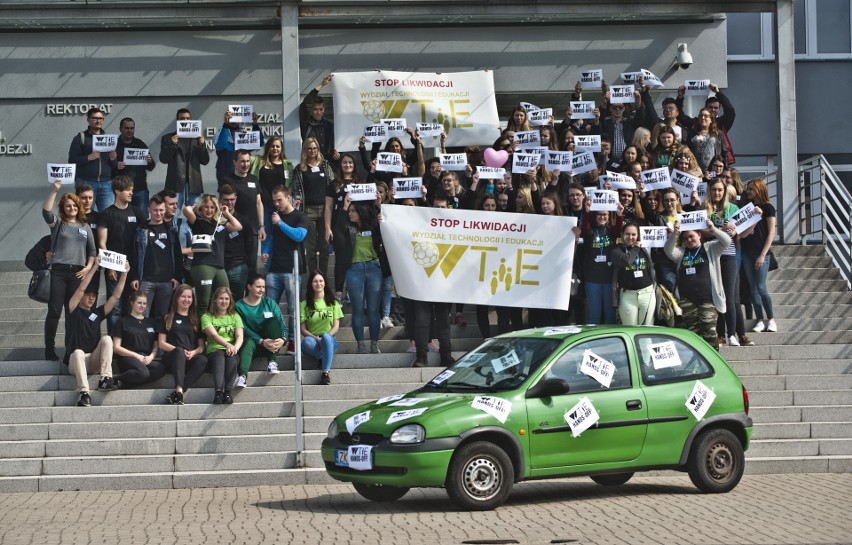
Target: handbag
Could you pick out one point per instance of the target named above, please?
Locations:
(39, 289)
(773, 263)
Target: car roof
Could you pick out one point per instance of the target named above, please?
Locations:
(565, 331)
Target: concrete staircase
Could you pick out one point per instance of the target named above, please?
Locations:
(799, 381)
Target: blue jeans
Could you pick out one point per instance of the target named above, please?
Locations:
(757, 282)
(104, 197)
(193, 198)
(325, 350)
(387, 289)
(159, 295)
(140, 199)
(114, 316)
(278, 283)
(599, 309)
(364, 280)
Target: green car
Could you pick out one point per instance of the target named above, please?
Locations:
(602, 401)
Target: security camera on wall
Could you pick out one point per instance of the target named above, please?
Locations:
(684, 57)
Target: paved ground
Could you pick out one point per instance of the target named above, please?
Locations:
(767, 509)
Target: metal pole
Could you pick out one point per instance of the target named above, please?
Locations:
(297, 345)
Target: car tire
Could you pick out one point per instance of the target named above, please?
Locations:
(716, 461)
(380, 492)
(615, 479)
(480, 476)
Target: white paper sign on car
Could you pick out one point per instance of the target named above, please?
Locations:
(598, 368)
(388, 162)
(653, 237)
(581, 416)
(497, 407)
(407, 402)
(356, 420)
(664, 355)
(360, 457)
(505, 361)
(385, 399)
(690, 221)
(442, 377)
(570, 330)
(657, 178)
(64, 172)
(700, 400)
(471, 359)
(403, 415)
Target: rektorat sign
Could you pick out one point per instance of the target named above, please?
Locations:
(74, 109)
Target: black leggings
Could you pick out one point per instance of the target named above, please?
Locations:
(224, 369)
(63, 284)
(134, 371)
(184, 372)
(731, 321)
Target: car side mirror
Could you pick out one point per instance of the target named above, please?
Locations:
(548, 388)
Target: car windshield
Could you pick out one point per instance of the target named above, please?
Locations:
(497, 364)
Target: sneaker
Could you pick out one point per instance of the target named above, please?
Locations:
(374, 348)
(272, 368)
(226, 398)
(386, 322)
(85, 400)
(339, 296)
(460, 319)
(107, 384)
(771, 325)
(291, 347)
(362, 349)
(325, 378)
(50, 354)
(434, 346)
(758, 327)
(412, 348)
(732, 341)
(745, 341)
(722, 340)
(241, 382)
(420, 361)
(175, 398)
(217, 398)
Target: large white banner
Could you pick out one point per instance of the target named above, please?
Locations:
(478, 257)
(463, 102)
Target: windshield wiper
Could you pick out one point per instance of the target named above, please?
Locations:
(472, 386)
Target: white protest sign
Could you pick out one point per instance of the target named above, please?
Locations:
(690, 221)
(657, 178)
(497, 407)
(249, 140)
(112, 260)
(396, 126)
(471, 359)
(745, 218)
(619, 181)
(700, 188)
(700, 399)
(522, 162)
(621, 94)
(188, 128)
(603, 200)
(684, 182)
(453, 161)
(360, 457)
(587, 142)
(63, 172)
(528, 106)
(540, 150)
(528, 139)
(491, 173)
(591, 79)
(241, 113)
(442, 377)
(104, 142)
(505, 361)
(376, 133)
(581, 416)
(361, 192)
(651, 79)
(664, 355)
(631, 77)
(558, 160)
(135, 156)
(583, 162)
(403, 415)
(407, 402)
(582, 109)
(570, 330)
(408, 188)
(385, 399)
(598, 368)
(356, 420)
(540, 117)
(388, 162)
(653, 237)
(697, 87)
(430, 129)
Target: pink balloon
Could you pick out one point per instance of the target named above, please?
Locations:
(494, 158)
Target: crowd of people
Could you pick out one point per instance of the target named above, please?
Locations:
(206, 272)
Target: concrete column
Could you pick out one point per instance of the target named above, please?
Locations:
(290, 95)
(788, 177)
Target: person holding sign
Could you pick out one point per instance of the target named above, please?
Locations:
(182, 343)
(272, 169)
(225, 146)
(138, 173)
(311, 180)
(263, 327)
(224, 329)
(336, 214)
(320, 314)
(134, 341)
(72, 256)
(713, 104)
(93, 167)
(699, 278)
(518, 121)
(663, 211)
(706, 141)
(412, 162)
(313, 123)
(635, 277)
(757, 254)
(184, 158)
(249, 205)
(665, 146)
(619, 124)
(599, 235)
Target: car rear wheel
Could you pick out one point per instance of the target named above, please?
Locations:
(380, 492)
(480, 476)
(615, 479)
(716, 462)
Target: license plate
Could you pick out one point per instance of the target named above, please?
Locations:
(341, 458)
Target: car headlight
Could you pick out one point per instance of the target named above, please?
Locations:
(410, 433)
(332, 429)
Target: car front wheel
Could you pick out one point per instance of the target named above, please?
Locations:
(717, 461)
(380, 492)
(480, 476)
(616, 479)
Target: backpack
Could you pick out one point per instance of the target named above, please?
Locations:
(667, 307)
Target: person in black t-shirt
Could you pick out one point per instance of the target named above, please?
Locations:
(135, 343)
(635, 275)
(238, 245)
(249, 204)
(86, 194)
(180, 338)
(86, 350)
(599, 235)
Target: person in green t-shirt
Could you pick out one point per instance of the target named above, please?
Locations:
(224, 330)
(319, 316)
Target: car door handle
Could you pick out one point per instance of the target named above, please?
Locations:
(634, 404)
